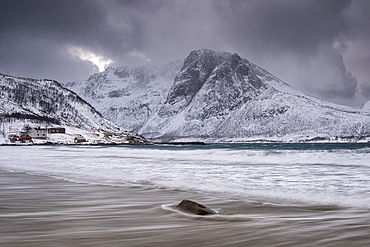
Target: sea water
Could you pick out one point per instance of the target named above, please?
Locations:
(266, 194)
(312, 174)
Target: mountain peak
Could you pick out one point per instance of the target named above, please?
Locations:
(228, 72)
(219, 96)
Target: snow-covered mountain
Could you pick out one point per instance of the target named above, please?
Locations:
(216, 96)
(128, 97)
(47, 103)
(48, 100)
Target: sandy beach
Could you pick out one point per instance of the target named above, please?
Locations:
(42, 211)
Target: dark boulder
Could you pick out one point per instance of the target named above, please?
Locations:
(195, 208)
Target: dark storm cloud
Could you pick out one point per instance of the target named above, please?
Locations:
(31, 33)
(35, 33)
(308, 43)
(284, 26)
(294, 35)
(63, 17)
(60, 21)
(358, 60)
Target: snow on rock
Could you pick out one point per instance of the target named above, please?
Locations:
(217, 97)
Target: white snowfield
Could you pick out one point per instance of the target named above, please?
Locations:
(217, 97)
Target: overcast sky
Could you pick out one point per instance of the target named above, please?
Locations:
(320, 47)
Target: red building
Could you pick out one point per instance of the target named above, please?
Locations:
(56, 130)
(26, 138)
(15, 139)
(21, 139)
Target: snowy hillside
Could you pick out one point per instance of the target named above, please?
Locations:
(25, 101)
(216, 96)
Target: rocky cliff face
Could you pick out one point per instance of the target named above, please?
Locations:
(215, 96)
(216, 82)
(47, 101)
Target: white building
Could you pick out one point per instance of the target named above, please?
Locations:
(38, 133)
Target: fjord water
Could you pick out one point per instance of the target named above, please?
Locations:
(266, 195)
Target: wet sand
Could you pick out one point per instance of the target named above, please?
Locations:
(42, 211)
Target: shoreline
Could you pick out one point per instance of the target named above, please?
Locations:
(150, 143)
(37, 210)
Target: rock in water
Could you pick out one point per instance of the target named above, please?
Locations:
(195, 208)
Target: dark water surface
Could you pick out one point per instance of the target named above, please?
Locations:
(125, 196)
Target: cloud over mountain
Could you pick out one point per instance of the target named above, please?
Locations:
(295, 40)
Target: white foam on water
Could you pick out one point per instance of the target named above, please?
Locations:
(318, 177)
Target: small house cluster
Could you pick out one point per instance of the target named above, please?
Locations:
(27, 134)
